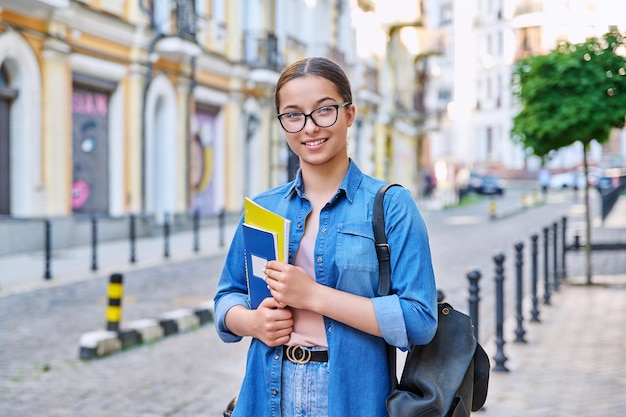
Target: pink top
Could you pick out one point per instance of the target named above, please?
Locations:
(308, 327)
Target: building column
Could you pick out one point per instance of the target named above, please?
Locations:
(133, 138)
(57, 126)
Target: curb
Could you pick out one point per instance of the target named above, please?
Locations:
(99, 343)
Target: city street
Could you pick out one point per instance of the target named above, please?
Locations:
(194, 373)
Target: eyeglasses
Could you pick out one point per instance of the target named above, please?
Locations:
(325, 116)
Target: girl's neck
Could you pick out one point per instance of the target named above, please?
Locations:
(322, 181)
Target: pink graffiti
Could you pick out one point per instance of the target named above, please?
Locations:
(80, 194)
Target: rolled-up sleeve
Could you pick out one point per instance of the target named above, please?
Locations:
(412, 275)
(232, 288)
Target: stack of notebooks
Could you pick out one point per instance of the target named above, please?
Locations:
(266, 238)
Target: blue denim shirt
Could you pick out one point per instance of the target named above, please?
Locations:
(346, 260)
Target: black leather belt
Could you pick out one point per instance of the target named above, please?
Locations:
(298, 354)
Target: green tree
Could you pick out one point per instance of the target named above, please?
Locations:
(574, 93)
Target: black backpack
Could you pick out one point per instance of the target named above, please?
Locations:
(449, 376)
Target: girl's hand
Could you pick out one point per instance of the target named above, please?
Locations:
(290, 285)
(273, 324)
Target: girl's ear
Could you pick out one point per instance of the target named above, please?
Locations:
(350, 114)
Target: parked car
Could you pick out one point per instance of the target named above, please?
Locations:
(490, 184)
(575, 179)
(564, 180)
(485, 184)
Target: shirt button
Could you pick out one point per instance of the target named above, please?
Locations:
(323, 230)
(274, 392)
(276, 357)
(319, 259)
(300, 225)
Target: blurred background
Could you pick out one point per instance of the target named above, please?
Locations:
(162, 108)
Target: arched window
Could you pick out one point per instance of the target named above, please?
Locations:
(4, 76)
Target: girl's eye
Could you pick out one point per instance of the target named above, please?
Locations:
(294, 116)
(324, 110)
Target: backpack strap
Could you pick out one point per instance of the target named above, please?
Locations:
(383, 251)
(384, 267)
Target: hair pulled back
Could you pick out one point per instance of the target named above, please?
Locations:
(319, 67)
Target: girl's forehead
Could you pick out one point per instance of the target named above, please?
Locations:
(308, 87)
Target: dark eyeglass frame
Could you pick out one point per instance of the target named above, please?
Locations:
(310, 116)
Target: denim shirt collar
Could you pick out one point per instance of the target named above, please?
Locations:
(348, 186)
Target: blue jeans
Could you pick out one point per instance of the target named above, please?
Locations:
(304, 389)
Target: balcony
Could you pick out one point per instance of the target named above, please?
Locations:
(260, 49)
(40, 9)
(179, 34)
(528, 6)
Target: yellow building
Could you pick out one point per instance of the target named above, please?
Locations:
(110, 107)
(161, 108)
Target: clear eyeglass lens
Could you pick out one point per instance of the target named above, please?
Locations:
(323, 117)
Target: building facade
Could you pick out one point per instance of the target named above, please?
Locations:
(162, 108)
(469, 94)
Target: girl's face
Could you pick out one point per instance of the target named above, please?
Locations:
(313, 144)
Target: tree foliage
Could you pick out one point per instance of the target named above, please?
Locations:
(575, 93)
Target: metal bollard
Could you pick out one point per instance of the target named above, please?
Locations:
(474, 276)
(222, 225)
(196, 230)
(519, 256)
(500, 357)
(47, 274)
(534, 312)
(114, 305)
(166, 236)
(555, 257)
(563, 247)
(546, 268)
(94, 243)
(132, 236)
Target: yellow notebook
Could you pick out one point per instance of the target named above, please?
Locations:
(260, 217)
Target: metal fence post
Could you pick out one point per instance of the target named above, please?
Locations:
(196, 230)
(519, 331)
(48, 249)
(94, 243)
(564, 247)
(546, 268)
(555, 263)
(534, 312)
(132, 236)
(500, 357)
(166, 236)
(474, 276)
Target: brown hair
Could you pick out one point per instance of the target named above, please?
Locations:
(317, 66)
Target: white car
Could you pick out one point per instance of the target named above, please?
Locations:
(574, 179)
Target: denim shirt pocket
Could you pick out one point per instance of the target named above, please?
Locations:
(355, 247)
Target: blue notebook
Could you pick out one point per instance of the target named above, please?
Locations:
(260, 246)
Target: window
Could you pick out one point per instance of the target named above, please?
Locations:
(4, 76)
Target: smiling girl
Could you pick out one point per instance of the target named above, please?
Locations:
(318, 344)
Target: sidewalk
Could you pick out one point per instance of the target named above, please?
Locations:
(573, 363)
(25, 272)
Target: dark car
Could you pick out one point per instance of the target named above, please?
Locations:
(488, 184)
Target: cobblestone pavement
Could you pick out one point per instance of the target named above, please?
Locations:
(571, 365)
